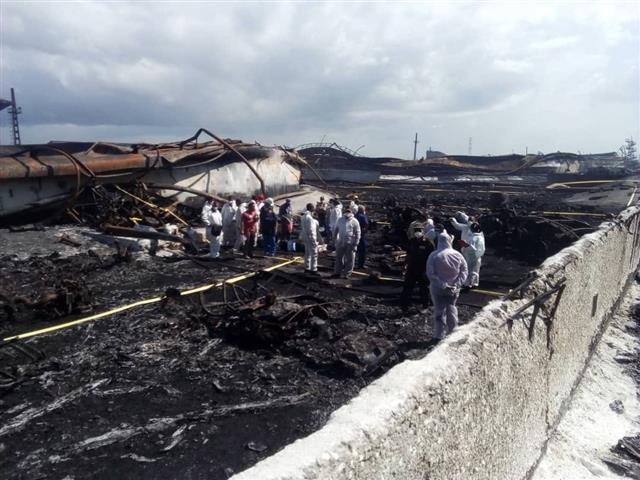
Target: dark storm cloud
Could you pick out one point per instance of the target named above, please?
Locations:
(360, 73)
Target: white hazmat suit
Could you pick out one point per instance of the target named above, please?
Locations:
(466, 235)
(429, 231)
(335, 213)
(463, 226)
(309, 235)
(212, 219)
(447, 272)
(473, 255)
(237, 225)
(228, 227)
(347, 236)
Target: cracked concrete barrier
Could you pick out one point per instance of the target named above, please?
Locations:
(483, 404)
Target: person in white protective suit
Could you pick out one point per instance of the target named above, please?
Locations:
(347, 236)
(228, 227)
(259, 199)
(447, 271)
(206, 208)
(462, 223)
(237, 225)
(309, 236)
(473, 255)
(432, 230)
(212, 219)
(335, 213)
(429, 230)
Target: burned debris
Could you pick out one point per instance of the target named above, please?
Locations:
(173, 361)
(49, 178)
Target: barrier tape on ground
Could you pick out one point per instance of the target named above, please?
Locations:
(141, 303)
(491, 293)
(204, 288)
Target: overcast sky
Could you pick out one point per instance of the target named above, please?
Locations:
(544, 75)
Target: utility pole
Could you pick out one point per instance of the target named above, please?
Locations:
(14, 111)
(415, 146)
(470, 143)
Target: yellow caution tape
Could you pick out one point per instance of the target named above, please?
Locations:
(488, 292)
(141, 303)
(83, 320)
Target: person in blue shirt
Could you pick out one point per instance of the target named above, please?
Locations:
(268, 225)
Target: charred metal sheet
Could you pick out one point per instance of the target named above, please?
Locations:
(48, 175)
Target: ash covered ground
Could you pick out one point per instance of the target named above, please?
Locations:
(205, 385)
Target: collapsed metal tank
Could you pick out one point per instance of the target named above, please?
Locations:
(50, 176)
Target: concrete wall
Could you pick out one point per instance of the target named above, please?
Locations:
(482, 404)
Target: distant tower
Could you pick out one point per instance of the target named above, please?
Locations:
(470, 144)
(415, 146)
(14, 111)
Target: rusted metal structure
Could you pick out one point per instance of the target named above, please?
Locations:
(54, 174)
(339, 163)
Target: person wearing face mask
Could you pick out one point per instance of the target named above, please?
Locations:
(347, 236)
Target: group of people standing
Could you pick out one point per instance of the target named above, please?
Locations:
(441, 271)
(237, 224)
(345, 227)
(432, 263)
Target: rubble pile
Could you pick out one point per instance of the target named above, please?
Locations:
(193, 381)
(203, 383)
